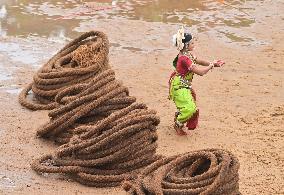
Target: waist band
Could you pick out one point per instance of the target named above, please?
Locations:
(184, 87)
(185, 82)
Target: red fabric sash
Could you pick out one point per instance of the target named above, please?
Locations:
(192, 122)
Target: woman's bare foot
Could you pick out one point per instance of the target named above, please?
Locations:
(178, 127)
(179, 130)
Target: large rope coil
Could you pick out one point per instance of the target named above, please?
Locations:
(85, 103)
(77, 62)
(204, 172)
(110, 151)
(107, 137)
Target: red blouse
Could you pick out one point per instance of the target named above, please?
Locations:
(184, 65)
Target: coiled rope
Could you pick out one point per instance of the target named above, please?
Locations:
(94, 100)
(108, 152)
(204, 172)
(77, 62)
(107, 137)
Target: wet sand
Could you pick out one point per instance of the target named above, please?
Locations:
(241, 104)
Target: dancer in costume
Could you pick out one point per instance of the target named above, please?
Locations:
(181, 91)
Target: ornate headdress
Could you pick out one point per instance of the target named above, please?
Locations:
(181, 38)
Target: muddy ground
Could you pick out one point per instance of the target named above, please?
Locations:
(241, 104)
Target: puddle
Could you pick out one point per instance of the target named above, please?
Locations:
(45, 26)
(6, 182)
(3, 12)
(22, 18)
(58, 36)
(134, 49)
(5, 74)
(31, 51)
(17, 53)
(12, 89)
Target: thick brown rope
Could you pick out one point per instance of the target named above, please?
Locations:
(107, 136)
(117, 149)
(77, 62)
(203, 172)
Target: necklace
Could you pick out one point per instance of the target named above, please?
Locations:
(189, 55)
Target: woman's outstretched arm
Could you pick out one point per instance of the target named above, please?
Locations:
(202, 62)
(202, 70)
(209, 65)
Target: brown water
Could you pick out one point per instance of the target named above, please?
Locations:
(31, 31)
(55, 19)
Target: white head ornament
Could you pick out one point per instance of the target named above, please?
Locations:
(177, 39)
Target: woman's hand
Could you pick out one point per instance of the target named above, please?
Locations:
(218, 63)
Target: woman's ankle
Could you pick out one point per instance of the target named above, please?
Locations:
(179, 128)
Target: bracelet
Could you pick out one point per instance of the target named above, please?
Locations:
(211, 64)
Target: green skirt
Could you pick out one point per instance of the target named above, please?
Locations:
(183, 99)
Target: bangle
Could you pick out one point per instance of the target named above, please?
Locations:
(211, 64)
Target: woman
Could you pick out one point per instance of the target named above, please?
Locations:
(181, 92)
